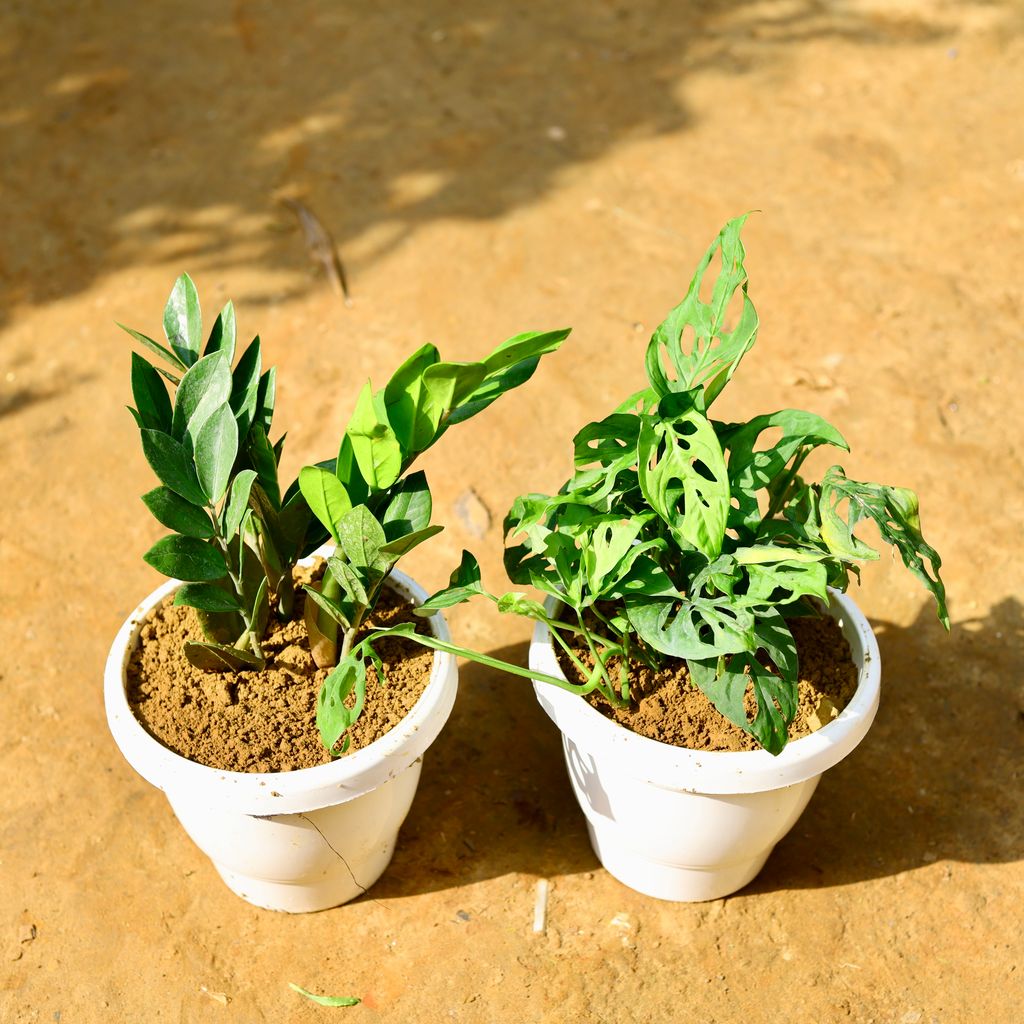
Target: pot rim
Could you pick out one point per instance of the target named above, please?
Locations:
(268, 793)
(714, 771)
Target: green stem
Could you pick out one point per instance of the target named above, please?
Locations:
(781, 496)
(222, 543)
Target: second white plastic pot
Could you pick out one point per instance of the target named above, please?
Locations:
(295, 841)
(692, 825)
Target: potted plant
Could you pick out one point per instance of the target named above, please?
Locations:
(685, 563)
(247, 618)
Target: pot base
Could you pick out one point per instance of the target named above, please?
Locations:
(307, 861)
(669, 881)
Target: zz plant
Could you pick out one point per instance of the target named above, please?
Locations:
(683, 536)
(237, 536)
(234, 541)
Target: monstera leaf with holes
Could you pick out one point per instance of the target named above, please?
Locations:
(683, 537)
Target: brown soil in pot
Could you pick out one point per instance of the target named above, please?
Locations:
(264, 721)
(668, 708)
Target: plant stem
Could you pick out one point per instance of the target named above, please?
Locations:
(222, 543)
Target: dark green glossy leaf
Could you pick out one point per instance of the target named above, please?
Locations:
(245, 389)
(753, 470)
(347, 471)
(326, 497)
(697, 628)
(173, 465)
(160, 350)
(238, 501)
(266, 396)
(177, 514)
(222, 337)
(187, 558)
(262, 460)
(464, 584)
(204, 388)
(150, 394)
(725, 682)
(215, 451)
(183, 323)
(207, 596)
(332, 608)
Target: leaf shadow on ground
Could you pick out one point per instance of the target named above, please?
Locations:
(494, 798)
(938, 776)
(168, 133)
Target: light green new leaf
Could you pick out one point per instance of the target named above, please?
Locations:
(325, 1000)
(360, 538)
(404, 392)
(204, 388)
(511, 364)
(779, 576)
(150, 394)
(751, 471)
(173, 465)
(326, 497)
(377, 451)
(402, 545)
(444, 386)
(187, 558)
(215, 450)
(177, 514)
(894, 510)
(206, 596)
(715, 353)
(683, 477)
(409, 507)
(347, 471)
(183, 323)
(333, 717)
(222, 337)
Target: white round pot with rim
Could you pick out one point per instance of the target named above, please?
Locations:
(301, 840)
(692, 825)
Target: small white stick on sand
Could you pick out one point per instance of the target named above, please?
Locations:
(540, 906)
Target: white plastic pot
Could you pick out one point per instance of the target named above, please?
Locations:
(693, 825)
(301, 840)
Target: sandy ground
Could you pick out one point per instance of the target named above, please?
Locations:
(487, 170)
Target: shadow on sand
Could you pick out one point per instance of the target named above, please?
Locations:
(935, 779)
